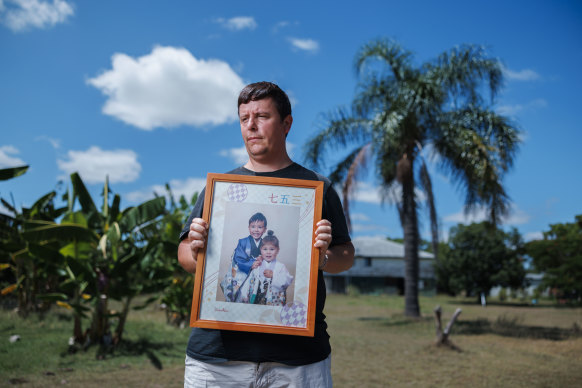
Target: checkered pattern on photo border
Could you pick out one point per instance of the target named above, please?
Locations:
(294, 315)
(237, 192)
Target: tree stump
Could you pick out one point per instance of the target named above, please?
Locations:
(443, 336)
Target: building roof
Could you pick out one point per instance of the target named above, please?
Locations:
(380, 247)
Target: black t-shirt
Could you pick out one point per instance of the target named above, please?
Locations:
(212, 345)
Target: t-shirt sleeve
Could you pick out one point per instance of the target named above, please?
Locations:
(334, 213)
(196, 213)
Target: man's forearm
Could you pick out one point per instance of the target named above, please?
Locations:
(186, 257)
(340, 258)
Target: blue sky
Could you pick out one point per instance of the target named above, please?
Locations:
(146, 91)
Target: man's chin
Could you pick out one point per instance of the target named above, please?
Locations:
(256, 151)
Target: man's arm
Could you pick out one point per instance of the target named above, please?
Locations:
(188, 248)
(340, 257)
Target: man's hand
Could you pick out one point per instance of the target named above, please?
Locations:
(188, 249)
(340, 257)
(322, 239)
(197, 234)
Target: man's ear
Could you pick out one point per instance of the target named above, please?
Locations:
(287, 122)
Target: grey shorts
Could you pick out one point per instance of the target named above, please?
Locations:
(242, 374)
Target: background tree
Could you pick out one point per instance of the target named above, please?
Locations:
(479, 257)
(399, 112)
(559, 257)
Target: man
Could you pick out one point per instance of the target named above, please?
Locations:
(224, 358)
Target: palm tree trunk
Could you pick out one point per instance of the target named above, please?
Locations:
(410, 228)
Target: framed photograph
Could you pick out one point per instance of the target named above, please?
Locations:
(258, 271)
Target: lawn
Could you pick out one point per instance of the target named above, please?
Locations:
(374, 345)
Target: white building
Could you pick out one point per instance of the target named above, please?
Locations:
(379, 267)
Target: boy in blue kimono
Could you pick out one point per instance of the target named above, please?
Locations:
(243, 258)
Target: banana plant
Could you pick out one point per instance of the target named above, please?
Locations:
(31, 268)
(109, 254)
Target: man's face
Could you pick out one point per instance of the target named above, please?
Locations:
(256, 229)
(262, 129)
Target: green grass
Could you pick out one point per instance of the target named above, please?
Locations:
(152, 353)
(373, 344)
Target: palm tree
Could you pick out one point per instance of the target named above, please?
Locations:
(402, 112)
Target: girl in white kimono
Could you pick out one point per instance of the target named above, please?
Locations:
(268, 281)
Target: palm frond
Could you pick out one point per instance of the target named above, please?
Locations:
(463, 69)
(339, 129)
(387, 51)
(342, 167)
(473, 160)
(355, 170)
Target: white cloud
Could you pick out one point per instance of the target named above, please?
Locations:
(359, 217)
(511, 110)
(55, 143)
(281, 24)
(169, 87)
(305, 44)
(521, 75)
(369, 228)
(95, 164)
(284, 24)
(238, 23)
(7, 159)
(515, 217)
(240, 156)
(533, 236)
(20, 15)
(366, 192)
(185, 187)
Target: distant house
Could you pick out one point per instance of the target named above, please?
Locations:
(534, 280)
(379, 267)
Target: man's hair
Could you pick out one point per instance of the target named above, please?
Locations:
(258, 217)
(261, 90)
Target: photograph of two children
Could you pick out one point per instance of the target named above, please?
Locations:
(261, 268)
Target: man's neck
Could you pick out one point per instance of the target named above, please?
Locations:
(268, 166)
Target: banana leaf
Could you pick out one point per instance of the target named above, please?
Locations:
(53, 297)
(13, 172)
(45, 230)
(80, 191)
(145, 212)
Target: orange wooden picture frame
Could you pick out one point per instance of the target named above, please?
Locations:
(204, 296)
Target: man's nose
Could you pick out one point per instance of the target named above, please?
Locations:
(251, 124)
